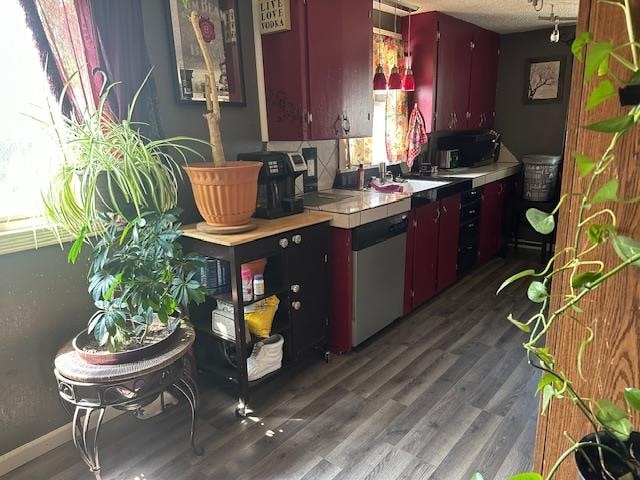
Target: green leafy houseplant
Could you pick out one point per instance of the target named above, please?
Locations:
(139, 273)
(108, 166)
(596, 228)
(117, 191)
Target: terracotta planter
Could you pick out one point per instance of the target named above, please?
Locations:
(225, 196)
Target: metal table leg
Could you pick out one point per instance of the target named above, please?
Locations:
(88, 449)
(190, 391)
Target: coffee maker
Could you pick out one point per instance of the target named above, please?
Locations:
(276, 183)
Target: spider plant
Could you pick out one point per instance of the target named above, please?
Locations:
(109, 168)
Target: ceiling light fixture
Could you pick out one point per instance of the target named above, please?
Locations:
(395, 81)
(379, 79)
(408, 82)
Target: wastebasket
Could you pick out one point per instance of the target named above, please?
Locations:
(540, 176)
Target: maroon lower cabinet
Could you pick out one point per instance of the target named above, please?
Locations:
(491, 221)
(340, 290)
(448, 236)
(425, 254)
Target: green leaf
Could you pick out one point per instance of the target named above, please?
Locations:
(607, 193)
(76, 247)
(603, 69)
(635, 79)
(612, 125)
(537, 292)
(584, 163)
(542, 222)
(597, 54)
(544, 356)
(522, 326)
(584, 279)
(526, 476)
(632, 396)
(603, 91)
(599, 233)
(513, 278)
(579, 43)
(477, 476)
(614, 418)
(627, 248)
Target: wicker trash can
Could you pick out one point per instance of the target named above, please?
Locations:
(540, 177)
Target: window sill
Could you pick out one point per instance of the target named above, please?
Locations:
(29, 238)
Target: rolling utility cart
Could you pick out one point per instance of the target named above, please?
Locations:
(296, 272)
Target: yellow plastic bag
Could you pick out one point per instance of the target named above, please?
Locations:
(259, 316)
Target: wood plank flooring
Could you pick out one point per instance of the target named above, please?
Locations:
(438, 395)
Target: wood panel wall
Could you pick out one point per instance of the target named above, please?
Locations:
(613, 360)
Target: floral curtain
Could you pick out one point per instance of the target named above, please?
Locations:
(388, 52)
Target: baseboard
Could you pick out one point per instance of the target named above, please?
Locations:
(41, 445)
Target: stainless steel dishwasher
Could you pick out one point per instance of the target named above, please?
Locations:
(379, 250)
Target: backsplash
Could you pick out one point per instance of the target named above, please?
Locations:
(327, 159)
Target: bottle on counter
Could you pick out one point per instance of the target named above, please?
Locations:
(247, 285)
(360, 177)
(258, 285)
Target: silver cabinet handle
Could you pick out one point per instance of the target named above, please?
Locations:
(297, 239)
(284, 243)
(295, 288)
(501, 189)
(296, 305)
(444, 209)
(435, 220)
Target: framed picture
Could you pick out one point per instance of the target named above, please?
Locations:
(544, 80)
(220, 18)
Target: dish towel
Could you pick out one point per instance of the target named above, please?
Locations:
(416, 135)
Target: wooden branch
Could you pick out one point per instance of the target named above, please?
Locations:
(212, 115)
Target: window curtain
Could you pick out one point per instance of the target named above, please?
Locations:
(72, 43)
(389, 52)
(123, 52)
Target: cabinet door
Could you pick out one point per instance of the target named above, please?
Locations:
(285, 78)
(424, 51)
(339, 37)
(425, 254)
(448, 236)
(484, 75)
(308, 288)
(340, 290)
(498, 238)
(488, 222)
(453, 73)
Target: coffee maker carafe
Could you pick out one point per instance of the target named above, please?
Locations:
(276, 183)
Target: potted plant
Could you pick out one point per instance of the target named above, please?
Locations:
(225, 192)
(141, 281)
(611, 451)
(117, 191)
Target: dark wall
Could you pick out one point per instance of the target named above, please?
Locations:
(530, 128)
(44, 301)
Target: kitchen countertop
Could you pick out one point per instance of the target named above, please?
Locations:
(366, 206)
(264, 228)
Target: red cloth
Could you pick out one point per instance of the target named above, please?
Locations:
(416, 135)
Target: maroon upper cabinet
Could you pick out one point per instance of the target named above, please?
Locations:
(453, 73)
(318, 77)
(484, 75)
(423, 48)
(454, 79)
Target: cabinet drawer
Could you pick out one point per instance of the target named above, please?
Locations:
(469, 232)
(471, 196)
(470, 211)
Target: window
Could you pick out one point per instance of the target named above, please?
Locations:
(27, 152)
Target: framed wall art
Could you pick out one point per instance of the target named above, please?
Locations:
(544, 80)
(220, 28)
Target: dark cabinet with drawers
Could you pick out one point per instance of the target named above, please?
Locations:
(296, 272)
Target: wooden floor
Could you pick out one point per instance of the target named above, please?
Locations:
(438, 395)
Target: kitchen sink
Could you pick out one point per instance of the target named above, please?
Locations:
(419, 185)
(317, 199)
